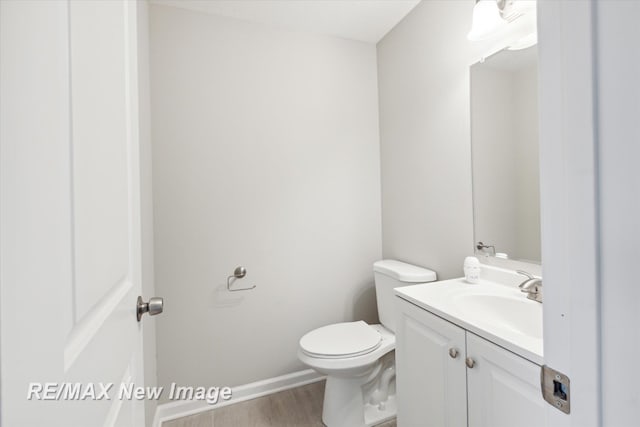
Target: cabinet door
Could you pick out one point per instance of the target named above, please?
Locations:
(431, 385)
(503, 388)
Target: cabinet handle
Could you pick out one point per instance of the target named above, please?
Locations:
(453, 352)
(470, 362)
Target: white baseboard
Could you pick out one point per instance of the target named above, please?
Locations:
(182, 408)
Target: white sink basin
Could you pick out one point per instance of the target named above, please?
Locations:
(500, 313)
(519, 314)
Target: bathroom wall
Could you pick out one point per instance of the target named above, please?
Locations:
(423, 81)
(266, 155)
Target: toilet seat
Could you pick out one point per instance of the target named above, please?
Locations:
(344, 365)
(341, 340)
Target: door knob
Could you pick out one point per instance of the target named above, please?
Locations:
(470, 362)
(153, 307)
(453, 352)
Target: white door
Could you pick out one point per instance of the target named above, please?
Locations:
(589, 132)
(70, 216)
(503, 388)
(431, 378)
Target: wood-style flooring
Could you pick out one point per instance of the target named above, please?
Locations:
(297, 407)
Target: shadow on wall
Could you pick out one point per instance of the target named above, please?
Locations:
(221, 297)
(364, 305)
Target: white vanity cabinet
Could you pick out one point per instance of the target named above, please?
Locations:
(431, 384)
(503, 389)
(436, 388)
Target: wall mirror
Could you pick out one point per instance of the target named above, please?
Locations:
(504, 147)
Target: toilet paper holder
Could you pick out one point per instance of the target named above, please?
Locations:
(238, 273)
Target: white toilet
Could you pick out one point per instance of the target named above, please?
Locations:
(358, 358)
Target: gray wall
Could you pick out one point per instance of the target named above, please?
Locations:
(265, 154)
(423, 82)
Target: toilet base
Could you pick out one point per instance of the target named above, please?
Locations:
(373, 415)
(351, 402)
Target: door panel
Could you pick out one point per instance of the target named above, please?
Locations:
(105, 200)
(431, 383)
(101, 138)
(70, 196)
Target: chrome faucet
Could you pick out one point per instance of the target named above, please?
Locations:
(532, 286)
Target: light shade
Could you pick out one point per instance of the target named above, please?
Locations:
(486, 20)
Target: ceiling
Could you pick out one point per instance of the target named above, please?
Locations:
(363, 20)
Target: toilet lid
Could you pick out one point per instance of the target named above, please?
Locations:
(341, 340)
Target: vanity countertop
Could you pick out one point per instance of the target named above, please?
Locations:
(497, 312)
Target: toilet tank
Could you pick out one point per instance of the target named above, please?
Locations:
(389, 274)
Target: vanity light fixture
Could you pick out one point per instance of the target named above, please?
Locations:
(487, 19)
(491, 18)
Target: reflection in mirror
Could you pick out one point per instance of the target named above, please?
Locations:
(504, 140)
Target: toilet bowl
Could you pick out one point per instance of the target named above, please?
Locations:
(358, 358)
